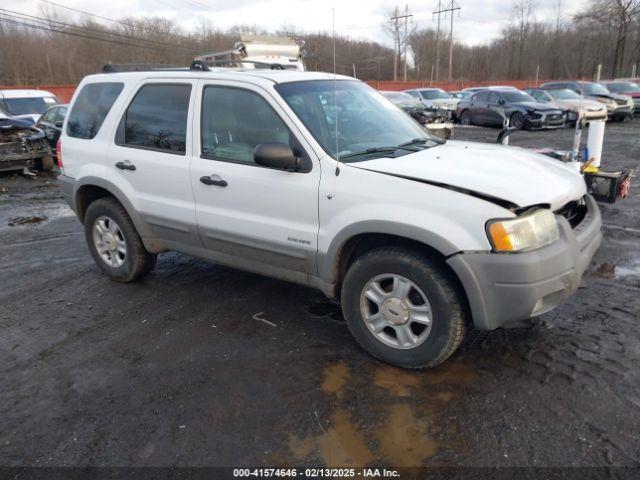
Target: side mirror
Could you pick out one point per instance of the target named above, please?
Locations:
(501, 102)
(276, 155)
(58, 124)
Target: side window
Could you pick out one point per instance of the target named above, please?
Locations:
(234, 121)
(91, 107)
(156, 119)
(481, 97)
(50, 115)
(493, 98)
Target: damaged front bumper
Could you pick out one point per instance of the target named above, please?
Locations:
(506, 288)
(19, 147)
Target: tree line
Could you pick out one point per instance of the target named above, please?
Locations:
(49, 48)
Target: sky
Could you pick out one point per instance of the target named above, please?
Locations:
(478, 21)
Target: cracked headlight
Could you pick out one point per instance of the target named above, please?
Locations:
(530, 231)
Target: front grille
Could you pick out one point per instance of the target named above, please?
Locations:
(621, 102)
(574, 211)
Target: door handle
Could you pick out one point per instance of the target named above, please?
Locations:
(213, 180)
(126, 165)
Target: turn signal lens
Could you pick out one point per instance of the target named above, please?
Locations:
(527, 232)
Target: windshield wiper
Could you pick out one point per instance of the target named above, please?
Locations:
(417, 141)
(406, 147)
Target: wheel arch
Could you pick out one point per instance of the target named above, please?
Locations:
(356, 240)
(90, 189)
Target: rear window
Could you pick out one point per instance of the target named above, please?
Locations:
(91, 107)
(157, 119)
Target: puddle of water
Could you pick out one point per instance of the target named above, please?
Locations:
(342, 445)
(15, 221)
(335, 378)
(396, 381)
(404, 440)
(450, 372)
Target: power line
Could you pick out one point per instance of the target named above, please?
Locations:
(451, 9)
(86, 13)
(59, 24)
(66, 32)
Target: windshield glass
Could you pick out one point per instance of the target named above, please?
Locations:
(623, 87)
(593, 89)
(564, 94)
(403, 99)
(365, 119)
(29, 105)
(516, 96)
(434, 94)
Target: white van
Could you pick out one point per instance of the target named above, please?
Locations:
(320, 180)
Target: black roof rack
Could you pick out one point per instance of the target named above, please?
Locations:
(223, 62)
(137, 67)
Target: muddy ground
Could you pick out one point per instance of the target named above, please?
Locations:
(180, 369)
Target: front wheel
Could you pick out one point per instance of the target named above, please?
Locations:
(517, 121)
(465, 118)
(403, 307)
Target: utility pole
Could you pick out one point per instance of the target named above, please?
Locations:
(450, 9)
(400, 44)
(437, 69)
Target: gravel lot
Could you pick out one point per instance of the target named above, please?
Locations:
(180, 369)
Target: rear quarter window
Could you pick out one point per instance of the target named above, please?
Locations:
(91, 107)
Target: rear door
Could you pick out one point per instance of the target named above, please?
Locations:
(150, 158)
(479, 107)
(252, 216)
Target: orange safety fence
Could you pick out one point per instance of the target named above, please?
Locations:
(449, 86)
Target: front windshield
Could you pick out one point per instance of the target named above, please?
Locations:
(594, 89)
(365, 119)
(516, 96)
(28, 105)
(401, 99)
(564, 94)
(434, 94)
(623, 87)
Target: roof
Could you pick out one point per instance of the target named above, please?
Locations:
(250, 75)
(25, 93)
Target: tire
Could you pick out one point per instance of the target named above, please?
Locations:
(444, 305)
(466, 118)
(129, 260)
(516, 121)
(45, 164)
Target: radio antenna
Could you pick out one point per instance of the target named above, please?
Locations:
(335, 89)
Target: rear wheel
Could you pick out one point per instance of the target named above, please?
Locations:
(114, 242)
(403, 308)
(466, 118)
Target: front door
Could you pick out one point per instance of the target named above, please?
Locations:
(254, 217)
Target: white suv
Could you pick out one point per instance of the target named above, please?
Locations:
(320, 180)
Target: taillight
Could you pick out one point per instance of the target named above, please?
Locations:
(59, 155)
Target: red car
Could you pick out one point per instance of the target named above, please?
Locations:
(625, 87)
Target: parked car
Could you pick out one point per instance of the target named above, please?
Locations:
(473, 90)
(50, 122)
(435, 97)
(628, 88)
(520, 110)
(26, 104)
(571, 102)
(417, 109)
(417, 237)
(461, 94)
(620, 107)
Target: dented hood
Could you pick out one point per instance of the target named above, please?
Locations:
(510, 174)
